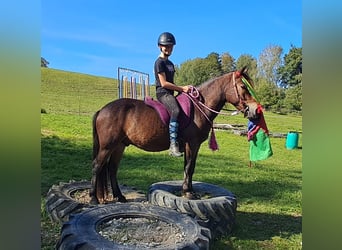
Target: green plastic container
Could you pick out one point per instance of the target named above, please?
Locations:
(292, 140)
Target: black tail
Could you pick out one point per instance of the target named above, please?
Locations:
(102, 178)
(95, 136)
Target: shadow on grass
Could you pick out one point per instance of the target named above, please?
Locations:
(64, 160)
(253, 227)
(263, 226)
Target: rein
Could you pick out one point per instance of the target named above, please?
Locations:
(194, 95)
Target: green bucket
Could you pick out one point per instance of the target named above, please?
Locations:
(292, 140)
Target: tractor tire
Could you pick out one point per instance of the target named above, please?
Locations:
(60, 200)
(217, 212)
(82, 229)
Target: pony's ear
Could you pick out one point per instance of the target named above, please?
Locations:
(241, 72)
(244, 70)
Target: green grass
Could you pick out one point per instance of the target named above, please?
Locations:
(69, 92)
(269, 194)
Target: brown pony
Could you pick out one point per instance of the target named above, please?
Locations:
(128, 121)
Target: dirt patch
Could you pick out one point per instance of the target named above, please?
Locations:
(141, 232)
(132, 195)
(196, 196)
(135, 232)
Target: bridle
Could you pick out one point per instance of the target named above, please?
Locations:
(242, 101)
(194, 96)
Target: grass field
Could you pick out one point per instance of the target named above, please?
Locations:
(269, 194)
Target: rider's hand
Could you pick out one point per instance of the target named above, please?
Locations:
(186, 88)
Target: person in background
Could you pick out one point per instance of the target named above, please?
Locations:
(164, 71)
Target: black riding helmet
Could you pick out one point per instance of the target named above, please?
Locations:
(166, 38)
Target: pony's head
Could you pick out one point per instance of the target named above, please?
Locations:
(244, 98)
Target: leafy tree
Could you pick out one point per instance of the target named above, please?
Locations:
(270, 95)
(227, 63)
(43, 62)
(212, 62)
(269, 62)
(250, 62)
(198, 70)
(186, 74)
(270, 74)
(290, 73)
(293, 99)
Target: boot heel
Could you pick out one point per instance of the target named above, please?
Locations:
(174, 150)
(173, 129)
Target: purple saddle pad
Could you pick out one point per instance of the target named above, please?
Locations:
(184, 116)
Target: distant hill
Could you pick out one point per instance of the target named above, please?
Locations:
(75, 93)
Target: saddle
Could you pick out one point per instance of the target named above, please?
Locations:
(186, 110)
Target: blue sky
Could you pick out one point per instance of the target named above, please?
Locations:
(97, 37)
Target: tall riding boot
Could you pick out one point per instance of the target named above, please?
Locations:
(173, 130)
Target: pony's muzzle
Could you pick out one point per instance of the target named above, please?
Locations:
(246, 111)
(250, 112)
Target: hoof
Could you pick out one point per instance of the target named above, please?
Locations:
(94, 201)
(191, 196)
(122, 199)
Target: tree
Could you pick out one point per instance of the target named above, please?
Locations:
(250, 62)
(270, 95)
(290, 73)
(227, 63)
(213, 65)
(198, 70)
(277, 80)
(293, 99)
(43, 62)
(186, 74)
(269, 62)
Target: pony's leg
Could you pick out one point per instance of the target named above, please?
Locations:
(93, 188)
(97, 180)
(190, 157)
(113, 169)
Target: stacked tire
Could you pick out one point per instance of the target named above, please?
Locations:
(209, 217)
(60, 202)
(216, 213)
(81, 231)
